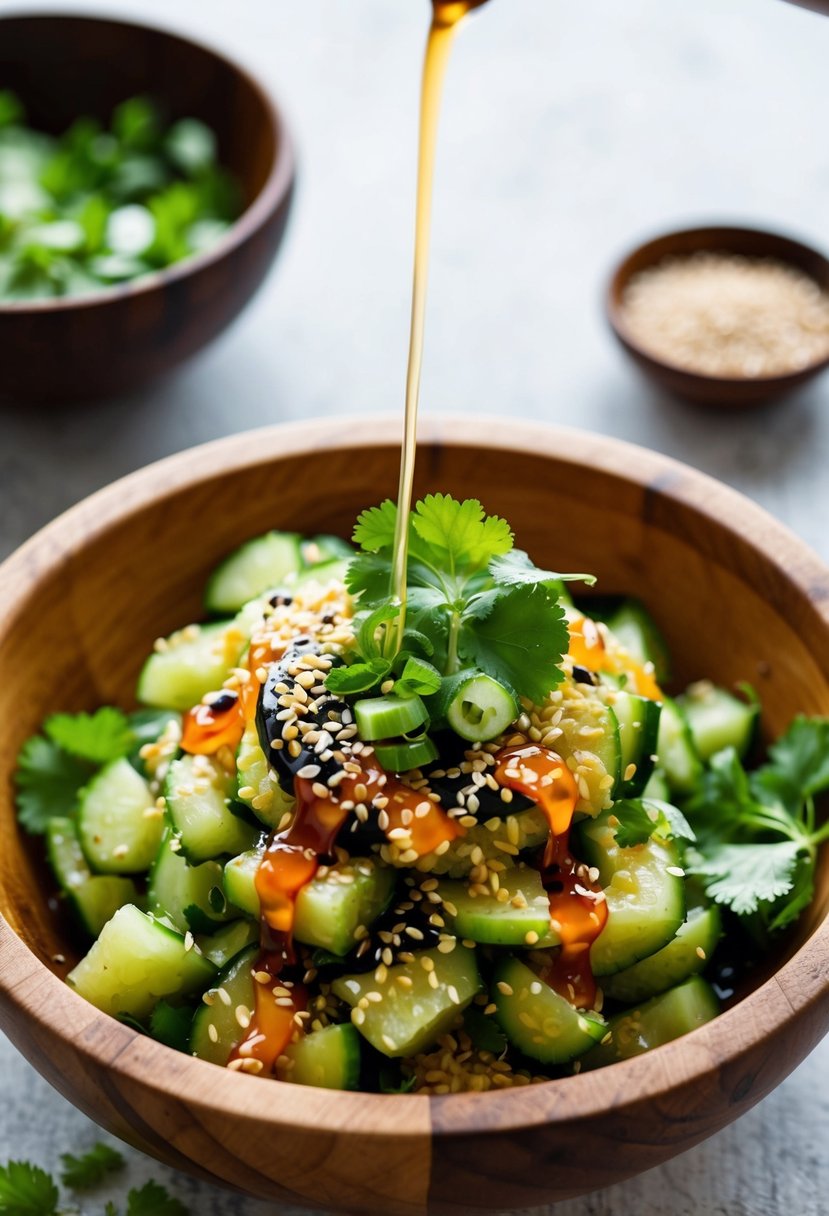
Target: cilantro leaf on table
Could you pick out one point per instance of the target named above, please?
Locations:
(48, 782)
(518, 637)
(27, 1190)
(154, 1200)
(99, 737)
(91, 1167)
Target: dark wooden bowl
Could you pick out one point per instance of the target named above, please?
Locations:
(124, 336)
(738, 596)
(716, 392)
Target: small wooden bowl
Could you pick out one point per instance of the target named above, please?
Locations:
(739, 598)
(716, 392)
(120, 338)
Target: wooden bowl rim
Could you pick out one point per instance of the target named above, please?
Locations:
(275, 189)
(33, 990)
(622, 272)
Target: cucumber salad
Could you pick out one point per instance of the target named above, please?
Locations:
(461, 842)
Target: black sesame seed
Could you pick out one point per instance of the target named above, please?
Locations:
(582, 676)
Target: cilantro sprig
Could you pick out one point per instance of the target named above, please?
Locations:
(473, 600)
(757, 833)
(28, 1190)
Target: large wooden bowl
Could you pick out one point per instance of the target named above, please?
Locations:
(114, 340)
(80, 604)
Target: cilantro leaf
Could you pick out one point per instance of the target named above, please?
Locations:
(375, 526)
(518, 637)
(154, 1200)
(484, 1031)
(641, 818)
(459, 534)
(418, 677)
(801, 756)
(369, 576)
(359, 677)
(514, 568)
(27, 1190)
(744, 876)
(99, 737)
(90, 1168)
(799, 897)
(48, 781)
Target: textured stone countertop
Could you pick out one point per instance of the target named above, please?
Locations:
(571, 131)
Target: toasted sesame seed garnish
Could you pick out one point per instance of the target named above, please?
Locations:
(701, 953)
(504, 988)
(677, 871)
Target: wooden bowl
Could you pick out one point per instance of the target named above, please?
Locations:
(80, 604)
(115, 340)
(716, 392)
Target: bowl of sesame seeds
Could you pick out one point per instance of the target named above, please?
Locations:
(734, 592)
(725, 317)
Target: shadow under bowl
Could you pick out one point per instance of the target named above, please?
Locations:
(738, 597)
(124, 336)
(715, 392)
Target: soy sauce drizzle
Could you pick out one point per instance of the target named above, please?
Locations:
(578, 910)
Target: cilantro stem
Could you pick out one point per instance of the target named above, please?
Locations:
(452, 660)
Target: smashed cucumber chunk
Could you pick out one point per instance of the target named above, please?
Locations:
(328, 1058)
(93, 898)
(255, 567)
(717, 720)
(456, 862)
(119, 826)
(192, 662)
(223, 945)
(256, 785)
(486, 919)
(410, 1017)
(136, 962)
(197, 791)
(667, 1016)
(645, 891)
(330, 908)
(539, 1022)
(216, 1029)
(189, 897)
(686, 954)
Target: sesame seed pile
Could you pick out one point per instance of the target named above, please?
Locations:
(456, 1066)
(723, 315)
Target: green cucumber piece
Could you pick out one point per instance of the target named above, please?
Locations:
(216, 1031)
(678, 757)
(119, 825)
(645, 891)
(609, 747)
(189, 897)
(385, 717)
(93, 898)
(485, 919)
(257, 566)
(194, 661)
(717, 719)
(223, 945)
(672, 964)
(170, 1025)
(635, 630)
(657, 787)
(539, 1022)
(327, 1058)
(135, 963)
(480, 707)
(331, 907)
(407, 1020)
(403, 755)
(256, 785)
(533, 832)
(667, 1016)
(638, 720)
(197, 791)
(324, 573)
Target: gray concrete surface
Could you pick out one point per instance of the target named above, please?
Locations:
(571, 130)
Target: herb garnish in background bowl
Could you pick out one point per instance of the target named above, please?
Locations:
(97, 205)
(145, 185)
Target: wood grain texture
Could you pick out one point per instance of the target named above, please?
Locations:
(122, 337)
(738, 597)
(715, 392)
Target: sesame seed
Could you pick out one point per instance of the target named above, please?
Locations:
(212, 1033)
(700, 953)
(504, 988)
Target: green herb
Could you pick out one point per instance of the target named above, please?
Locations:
(641, 818)
(469, 603)
(48, 783)
(154, 1200)
(757, 832)
(96, 206)
(27, 1190)
(99, 737)
(92, 1167)
(485, 1033)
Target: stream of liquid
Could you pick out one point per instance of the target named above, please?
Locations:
(446, 18)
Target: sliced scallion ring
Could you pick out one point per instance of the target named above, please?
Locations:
(385, 717)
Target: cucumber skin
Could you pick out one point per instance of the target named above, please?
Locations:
(671, 965)
(485, 920)
(666, 1017)
(259, 565)
(327, 1059)
(571, 1033)
(237, 978)
(141, 834)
